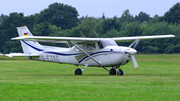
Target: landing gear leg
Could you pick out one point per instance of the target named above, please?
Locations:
(120, 72)
(85, 67)
(79, 71)
(105, 68)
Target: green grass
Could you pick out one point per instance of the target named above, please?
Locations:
(157, 79)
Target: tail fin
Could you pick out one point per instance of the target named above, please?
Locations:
(29, 47)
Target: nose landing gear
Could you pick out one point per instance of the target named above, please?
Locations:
(78, 71)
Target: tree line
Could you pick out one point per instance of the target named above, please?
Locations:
(62, 20)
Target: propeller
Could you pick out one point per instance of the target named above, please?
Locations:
(132, 51)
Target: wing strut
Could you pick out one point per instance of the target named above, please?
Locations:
(85, 53)
(135, 43)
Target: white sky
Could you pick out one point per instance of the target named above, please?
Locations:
(94, 8)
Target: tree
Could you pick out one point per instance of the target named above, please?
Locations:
(87, 27)
(131, 29)
(61, 15)
(103, 16)
(126, 16)
(8, 30)
(42, 29)
(173, 15)
(110, 23)
(155, 19)
(2, 17)
(111, 33)
(142, 17)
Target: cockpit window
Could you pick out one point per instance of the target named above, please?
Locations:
(90, 46)
(108, 42)
(80, 46)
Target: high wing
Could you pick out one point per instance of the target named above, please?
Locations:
(119, 39)
(78, 40)
(57, 39)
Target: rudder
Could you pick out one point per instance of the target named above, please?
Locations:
(29, 47)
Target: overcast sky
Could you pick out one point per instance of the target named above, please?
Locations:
(94, 8)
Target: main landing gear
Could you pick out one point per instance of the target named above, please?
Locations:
(112, 71)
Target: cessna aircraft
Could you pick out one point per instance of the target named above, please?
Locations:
(97, 52)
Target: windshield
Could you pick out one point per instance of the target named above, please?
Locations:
(108, 42)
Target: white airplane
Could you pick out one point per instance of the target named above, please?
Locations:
(96, 52)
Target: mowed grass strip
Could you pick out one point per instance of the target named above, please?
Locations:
(158, 78)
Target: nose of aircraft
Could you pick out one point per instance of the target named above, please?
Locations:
(131, 51)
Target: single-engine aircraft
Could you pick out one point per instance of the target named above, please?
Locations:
(96, 52)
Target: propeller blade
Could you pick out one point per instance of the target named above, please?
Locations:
(134, 62)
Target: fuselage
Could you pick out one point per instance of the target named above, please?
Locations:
(107, 56)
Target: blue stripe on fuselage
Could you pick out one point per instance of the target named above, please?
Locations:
(91, 54)
(32, 46)
(96, 54)
(62, 53)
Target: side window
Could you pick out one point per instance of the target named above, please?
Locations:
(90, 46)
(80, 46)
(100, 45)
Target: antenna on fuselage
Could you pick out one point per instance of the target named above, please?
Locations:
(96, 34)
(82, 34)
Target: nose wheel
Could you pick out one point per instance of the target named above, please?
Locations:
(78, 72)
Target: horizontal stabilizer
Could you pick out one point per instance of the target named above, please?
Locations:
(20, 54)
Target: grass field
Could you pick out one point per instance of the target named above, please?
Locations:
(158, 79)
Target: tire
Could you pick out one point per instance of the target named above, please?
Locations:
(112, 71)
(78, 71)
(120, 72)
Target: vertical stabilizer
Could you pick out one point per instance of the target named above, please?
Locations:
(29, 47)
